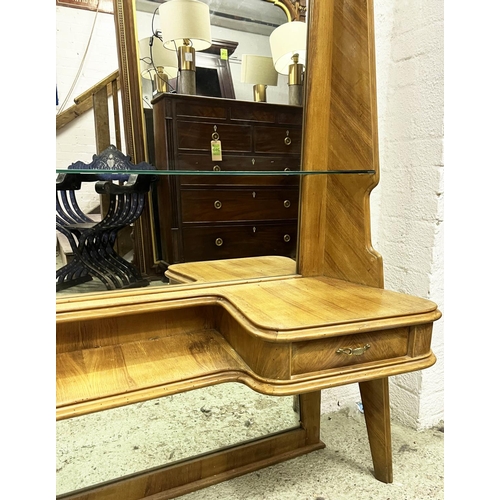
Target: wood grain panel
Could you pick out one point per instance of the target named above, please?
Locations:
(335, 237)
(113, 370)
(322, 354)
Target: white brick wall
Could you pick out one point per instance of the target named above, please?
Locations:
(407, 206)
(410, 219)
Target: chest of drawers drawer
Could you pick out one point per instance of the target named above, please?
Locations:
(231, 163)
(249, 163)
(195, 136)
(212, 205)
(223, 241)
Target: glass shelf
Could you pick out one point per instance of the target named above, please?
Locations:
(300, 173)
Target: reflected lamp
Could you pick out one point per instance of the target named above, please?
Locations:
(157, 63)
(258, 70)
(185, 27)
(288, 48)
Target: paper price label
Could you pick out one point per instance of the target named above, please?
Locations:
(216, 151)
(223, 54)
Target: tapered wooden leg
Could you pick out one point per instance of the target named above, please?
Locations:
(375, 398)
(310, 413)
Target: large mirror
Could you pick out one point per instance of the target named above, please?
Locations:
(200, 218)
(229, 413)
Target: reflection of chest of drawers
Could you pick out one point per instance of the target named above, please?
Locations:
(210, 216)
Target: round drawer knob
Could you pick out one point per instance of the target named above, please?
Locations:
(288, 141)
(286, 169)
(219, 242)
(286, 203)
(217, 204)
(286, 238)
(216, 168)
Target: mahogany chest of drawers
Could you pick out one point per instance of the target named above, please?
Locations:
(211, 215)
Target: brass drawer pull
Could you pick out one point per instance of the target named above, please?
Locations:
(286, 238)
(217, 204)
(219, 242)
(216, 168)
(286, 203)
(288, 139)
(356, 351)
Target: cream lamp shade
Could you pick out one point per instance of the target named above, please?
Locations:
(155, 56)
(258, 70)
(185, 20)
(287, 40)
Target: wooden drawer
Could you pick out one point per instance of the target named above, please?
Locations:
(265, 112)
(234, 241)
(213, 205)
(201, 109)
(333, 353)
(281, 140)
(196, 136)
(231, 162)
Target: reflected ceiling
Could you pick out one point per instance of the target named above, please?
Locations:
(252, 16)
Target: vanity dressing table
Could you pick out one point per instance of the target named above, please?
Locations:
(327, 324)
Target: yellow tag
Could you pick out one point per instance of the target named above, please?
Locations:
(216, 151)
(223, 54)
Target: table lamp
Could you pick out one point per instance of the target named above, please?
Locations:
(288, 48)
(260, 71)
(185, 26)
(157, 63)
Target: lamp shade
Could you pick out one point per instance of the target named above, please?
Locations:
(287, 40)
(185, 19)
(258, 70)
(154, 56)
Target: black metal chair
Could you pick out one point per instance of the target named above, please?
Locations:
(93, 242)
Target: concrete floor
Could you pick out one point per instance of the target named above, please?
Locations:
(343, 470)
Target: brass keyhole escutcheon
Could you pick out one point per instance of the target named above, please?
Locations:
(215, 135)
(217, 204)
(216, 168)
(219, 242)
(286, 238)
(286, 203)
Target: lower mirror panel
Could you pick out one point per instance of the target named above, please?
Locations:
(111, 444)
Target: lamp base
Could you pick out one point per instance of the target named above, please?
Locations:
(161, 82)
(187, 82)
(295, 95)
(259, 92)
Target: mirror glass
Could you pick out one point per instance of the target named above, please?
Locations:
(198, 219)
(91, 449)
(100, 447)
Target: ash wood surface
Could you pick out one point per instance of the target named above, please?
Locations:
(340, 132)
(278, 337)
(231, 269)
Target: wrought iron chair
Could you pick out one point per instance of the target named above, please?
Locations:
(93, 242)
